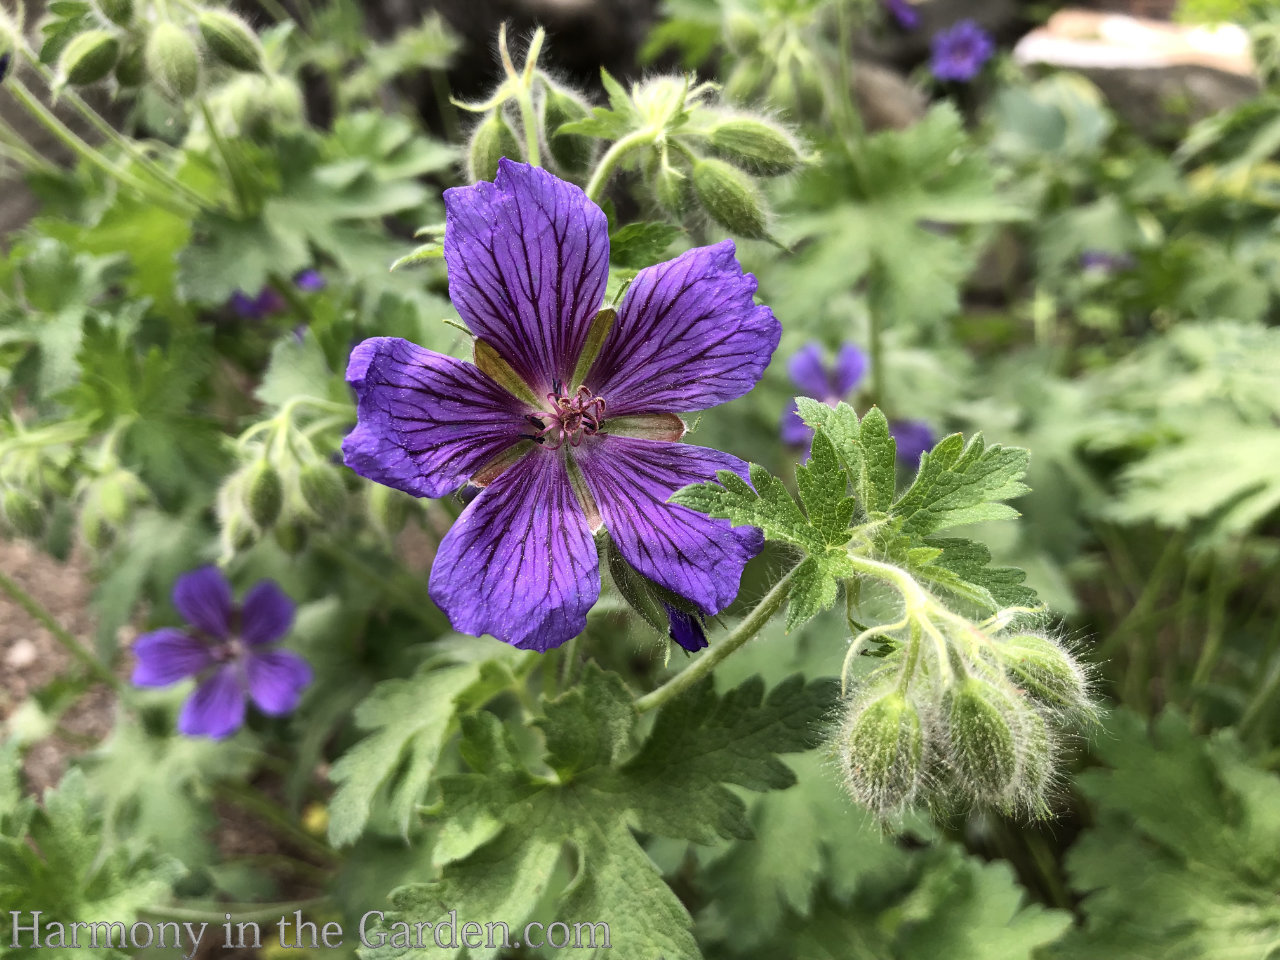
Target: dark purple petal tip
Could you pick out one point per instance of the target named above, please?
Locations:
(685, 629)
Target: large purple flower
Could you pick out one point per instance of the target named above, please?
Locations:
(232, 650)
(813, 378)
(567, 423)
(960, 52)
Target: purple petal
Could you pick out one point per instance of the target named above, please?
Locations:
(270, 301)
(690, 554)
(809, 373)
(685, 629)
(276, 680)
(244, 306)
(528, 257)
(266, 615)
(426, 422)
(851, 367)
(904, 12)
(520, 562)
(914, 439)
(795, 432)
(216, 708)
(167, 656)
(203, 597)
(960, 52)
(688, 336)
(309, 281)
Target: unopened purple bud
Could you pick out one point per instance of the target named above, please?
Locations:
(685, 629)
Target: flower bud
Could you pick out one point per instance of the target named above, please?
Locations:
(1037, 762)
(572, 152)
(131, 67)
(1045, 671)
(492, 140)
(729, 197)
(984, 741)
(292, 536)
(745, 81)
(238, 533)
(263, 494)
(322, 489)
(173, 60)
(96, 531)
(23, 512)
(89, 57)
(755, 145)
(742, 32)
(119, 12)
(883, 748)
(388, 508)
(673, 188)
(230, 40)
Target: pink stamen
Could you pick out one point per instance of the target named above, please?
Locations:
(569, 418)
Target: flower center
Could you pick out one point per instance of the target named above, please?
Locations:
(568, 418)
(228, 650)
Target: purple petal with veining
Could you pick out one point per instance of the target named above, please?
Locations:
(688, 336)
(276, 680)
(689, 553)
(266, 615)
(203, 597)
(167, 656)
(520, 562)
(426, 422)
(528, 257)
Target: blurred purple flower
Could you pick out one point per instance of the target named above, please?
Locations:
(831, 385)
(914, 438)
(960, 51)
(267, 303)
(230, 649)
(561, 452)
(1105, 261)
(310, 281)
(904, 12)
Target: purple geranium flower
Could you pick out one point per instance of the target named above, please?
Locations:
(565, 431)
(904, 12)
(230, 649)
(960, 52)
(831, 385)
(267, 303)
(310, 281)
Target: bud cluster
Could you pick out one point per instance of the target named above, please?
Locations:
(284, 487)
(697, 157)
(171, 47)
(107, 502)
(960, 713)
(776, 55)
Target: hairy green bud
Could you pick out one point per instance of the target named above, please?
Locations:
(730, 197)
(673, 189)
(756, 145)
(1046, 672)
(23, 512)
(131, 68)
(238, 533)
(230, 40)
(263, 494)
(388, 508)
(1038, 758)
(119, 12)
(89, 57)
(492, 140)
(572, 152)
(173, 60)
(883, 751)
(983, 728)
(322, 489)
(292, 535)
(741, 32)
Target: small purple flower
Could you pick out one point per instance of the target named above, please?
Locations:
(310, 281)
(904, 12)
(915, 438)
(561, 446)
(960, 52)
(815, 380)
(1105, 262)
(267, 303)
(232, 650)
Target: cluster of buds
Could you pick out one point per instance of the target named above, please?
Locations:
(107, 501)
(961, 713)
(284, 486)
(697, 156)
(776, 49)
(169, 46)
(34, 463)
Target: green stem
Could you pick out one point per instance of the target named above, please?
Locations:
(64, 638)
(600, 177)
(233, 174)
(72, 142)
(750, 625)
(875, 320)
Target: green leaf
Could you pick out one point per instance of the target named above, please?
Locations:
(639, 245)
(960, 483)
(299, 368)
(1184, 858)
(878, 478)
(409, 722)
(824, 489)
(507, 827)
(840, 424)
(608, 123)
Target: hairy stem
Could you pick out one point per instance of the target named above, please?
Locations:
(600, 176)
(60, 633)
(751, 625)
